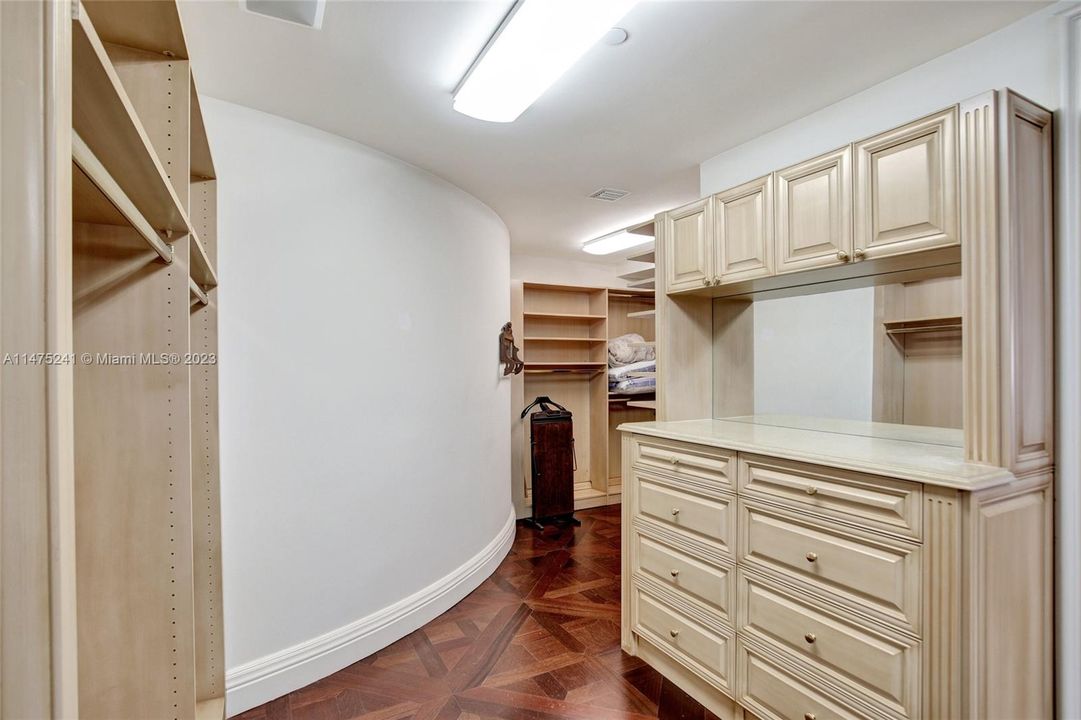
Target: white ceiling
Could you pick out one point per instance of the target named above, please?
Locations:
(694, 79)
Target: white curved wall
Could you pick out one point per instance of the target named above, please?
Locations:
(365, 443)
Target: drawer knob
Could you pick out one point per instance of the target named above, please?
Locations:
(858, 253)
(675, 511)
(810, 637)
(811, 557)
(675, 573)
(706, 281)
(812, 490)
(675, 461)
(674, 633)
(808, 716)
(842, 256)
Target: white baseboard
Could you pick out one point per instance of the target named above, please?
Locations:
(274, 675)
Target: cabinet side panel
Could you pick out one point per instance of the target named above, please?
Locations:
(1027, 286)
(627, 512)
(205, 464)
(684, 347)
(1010, 670)
(38, 675)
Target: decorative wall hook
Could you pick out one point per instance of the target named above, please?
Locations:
(508, 354)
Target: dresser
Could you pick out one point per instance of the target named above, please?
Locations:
(794, 568)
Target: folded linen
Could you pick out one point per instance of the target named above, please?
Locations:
(634, 386)
(618, 373)
(627, 349)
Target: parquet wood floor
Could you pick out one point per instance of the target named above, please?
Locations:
(539, 640)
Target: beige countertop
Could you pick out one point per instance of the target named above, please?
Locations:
(908, 452)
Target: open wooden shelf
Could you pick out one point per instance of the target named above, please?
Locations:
(563, 316)
(565, 339)
(644, 285)
(152, 26)
(202, 164)
(645, 314)
(646, 274)
(644, 404)
(98, 198)
(624, 398)
(201, 270)
(104, 117)
(573, 289)
(928, 324)
(565, 366)
(631, 293)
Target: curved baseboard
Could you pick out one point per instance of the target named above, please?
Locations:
(294, 667)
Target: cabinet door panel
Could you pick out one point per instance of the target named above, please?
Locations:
(687, 247)
(814, 212)
(906, 188)
(743, 231)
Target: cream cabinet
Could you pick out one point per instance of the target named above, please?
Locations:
(743, 232)
(688, 248)
(814, 212)
(849, 587)
(906, 188)
(892, 194)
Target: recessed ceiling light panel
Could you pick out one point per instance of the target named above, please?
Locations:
(538, 41)
(308, 13)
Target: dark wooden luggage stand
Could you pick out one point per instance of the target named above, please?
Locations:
(551, 433)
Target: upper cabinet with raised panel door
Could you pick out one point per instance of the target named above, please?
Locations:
(906, 188)
(814, 212)
(688, 250)
(743, 232)
(893, 194)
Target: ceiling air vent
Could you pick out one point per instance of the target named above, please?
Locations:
(609, 194)
(308, 13)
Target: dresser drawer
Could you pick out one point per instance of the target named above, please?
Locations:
(706, 650)
(697, 464)
(712, 518)
(872, 574)
(701, 581)
(882, 503)
(880, 666)
(774, 692)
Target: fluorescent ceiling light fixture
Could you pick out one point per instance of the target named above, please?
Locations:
(538, 41)
(614, 242)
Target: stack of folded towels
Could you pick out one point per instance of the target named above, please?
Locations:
(629, 355)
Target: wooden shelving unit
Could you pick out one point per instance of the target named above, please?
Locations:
(105, 117)
(147, 520)
(629, 310)
(564, 331)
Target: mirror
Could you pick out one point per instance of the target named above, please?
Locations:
(888, 354)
